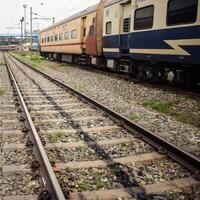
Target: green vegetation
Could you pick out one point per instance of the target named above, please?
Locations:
(134, 117)
(98, 182)
(57, 136)
(2, 92)
(22, 54)
(182, 117)
(35, 60)
(38, 61)
(84, 186)
(162, 107)
(187, 118)
(169, 109)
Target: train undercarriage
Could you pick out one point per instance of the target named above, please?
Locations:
(174, 74)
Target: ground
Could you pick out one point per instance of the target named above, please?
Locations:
(172, 115)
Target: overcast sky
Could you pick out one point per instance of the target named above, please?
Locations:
(12, 10)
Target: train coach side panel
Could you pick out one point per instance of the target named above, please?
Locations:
(178, 45)
(111, 41)
(69, 45)
(175, 43)
(95, 34)
(162, 43)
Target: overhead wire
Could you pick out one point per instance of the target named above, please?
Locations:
(75, 9)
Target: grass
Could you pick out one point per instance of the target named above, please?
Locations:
(84, 186)
(34, 60)
(2, 92)
(187, 119)
(168, 108)
(38, 61)
(98, 183)
(27, 57)
(160, 106)
(134, 117)
(37, 58)
(22, 54)
(57, 136)
(182, 117)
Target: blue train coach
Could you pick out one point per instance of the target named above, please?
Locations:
(153, 39)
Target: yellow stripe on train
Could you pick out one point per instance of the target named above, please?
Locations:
(175, 44)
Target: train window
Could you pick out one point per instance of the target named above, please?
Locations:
(74, 34)
(61, 36)
(56, 37)
(126, 25)
(91, 31)
(66, 36)
(108, 28)
(144, 18)
(84, 32)
(181, 12)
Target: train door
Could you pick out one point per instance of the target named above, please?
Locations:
(125, 22)
(94, 37)
(125, 27)
(84, 29)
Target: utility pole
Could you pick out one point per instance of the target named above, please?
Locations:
(21, 20)
(25, 6)
(31, 30)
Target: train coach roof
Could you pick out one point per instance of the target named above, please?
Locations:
(81, 13)
(110, 2)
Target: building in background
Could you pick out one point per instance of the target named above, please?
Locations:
(9, 40)
(13, 42)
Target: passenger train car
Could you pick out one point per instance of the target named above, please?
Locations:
(152, 39)
(7, 47)
(67, 40)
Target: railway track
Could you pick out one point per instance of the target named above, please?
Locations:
(19, 176)
(95, 153)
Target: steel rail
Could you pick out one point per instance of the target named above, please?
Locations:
(186, 159)
(49, 179)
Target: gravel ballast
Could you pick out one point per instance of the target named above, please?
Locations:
(130, 100)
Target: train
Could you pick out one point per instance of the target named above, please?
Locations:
(157, 40)
(7, 47)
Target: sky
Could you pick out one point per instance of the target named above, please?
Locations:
(12, 10)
